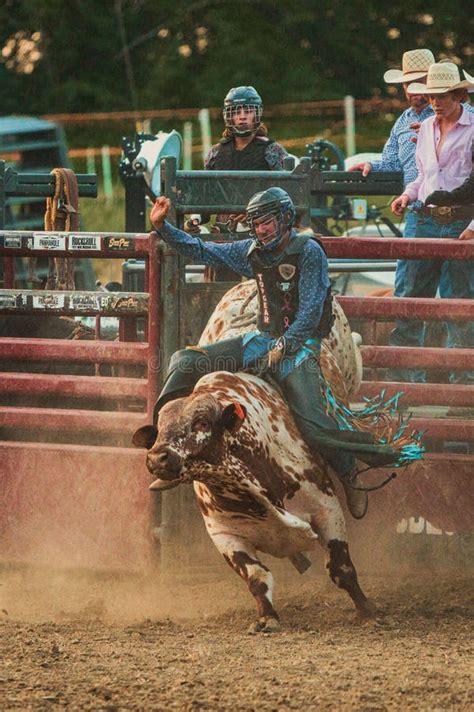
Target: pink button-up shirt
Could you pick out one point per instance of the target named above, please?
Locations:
(455, 160)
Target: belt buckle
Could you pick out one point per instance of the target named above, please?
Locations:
(443, 215)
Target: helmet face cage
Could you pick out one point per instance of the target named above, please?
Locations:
(278, 210)
(230, 111)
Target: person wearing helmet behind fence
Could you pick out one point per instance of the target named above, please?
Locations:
(244, 146)
(294, 314)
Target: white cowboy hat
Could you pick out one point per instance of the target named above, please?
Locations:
(470, 80)
(442, 77)
(415, 65)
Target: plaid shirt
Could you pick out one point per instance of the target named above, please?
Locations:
(399, 152)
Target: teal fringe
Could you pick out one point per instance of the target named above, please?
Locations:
(374, 411)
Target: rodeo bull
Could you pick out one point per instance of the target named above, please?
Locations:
(260, 454)
(258, 485)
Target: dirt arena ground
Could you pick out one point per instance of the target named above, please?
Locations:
(102, 642)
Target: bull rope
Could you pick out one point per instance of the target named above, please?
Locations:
(62, 213)
(245, 318)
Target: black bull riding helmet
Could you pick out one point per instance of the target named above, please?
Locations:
(272, 204)
(246, 98)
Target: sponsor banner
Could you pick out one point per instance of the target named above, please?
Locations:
(12, 241)
(83, 302)
(49, 242)
(128, 303)
(119, 243)
(84, 242)
(8, 301)
(48, 301)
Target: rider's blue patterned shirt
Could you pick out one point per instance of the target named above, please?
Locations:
(313, 270)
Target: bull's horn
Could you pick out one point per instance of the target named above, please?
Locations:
(160, 485)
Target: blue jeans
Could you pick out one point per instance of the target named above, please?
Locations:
(400, 272)
(410, 229)
(422, 279)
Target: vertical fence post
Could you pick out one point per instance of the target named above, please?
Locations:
(188, 146)
(3, 196)
(90, 160)
(8, 261)
(107, 173)
(349, 122)
(205, 132)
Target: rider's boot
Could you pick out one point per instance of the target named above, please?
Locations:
(357, 500)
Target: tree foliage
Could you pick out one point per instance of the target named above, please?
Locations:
(104, 55)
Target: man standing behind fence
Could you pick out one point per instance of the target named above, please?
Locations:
(399, 151)
(444, 161)
(399, 155)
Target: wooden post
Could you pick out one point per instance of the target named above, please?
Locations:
(205, 132)
(349, 121)
(188, 146)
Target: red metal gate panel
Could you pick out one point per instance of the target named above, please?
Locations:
(76, 506)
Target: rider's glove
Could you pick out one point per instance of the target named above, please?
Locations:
(275, 355)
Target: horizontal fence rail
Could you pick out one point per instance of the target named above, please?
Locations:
(68, 420)
(449, 429)
(54, 385)
(306, 108)
(389, 308)
(26, 243)
(77, 303)
(440, 394)
(388, 248)
(410, 356)
(399, 248)
(22, 349)
(36, 184)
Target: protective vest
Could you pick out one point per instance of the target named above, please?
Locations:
(251, 158)
(278, 291)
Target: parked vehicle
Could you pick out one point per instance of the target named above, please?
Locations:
(32, 145)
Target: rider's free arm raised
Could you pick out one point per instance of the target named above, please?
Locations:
(230, 254)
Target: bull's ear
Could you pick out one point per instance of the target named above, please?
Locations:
(145, 436)
(233, 416)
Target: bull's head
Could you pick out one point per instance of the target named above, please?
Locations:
(189, 438)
